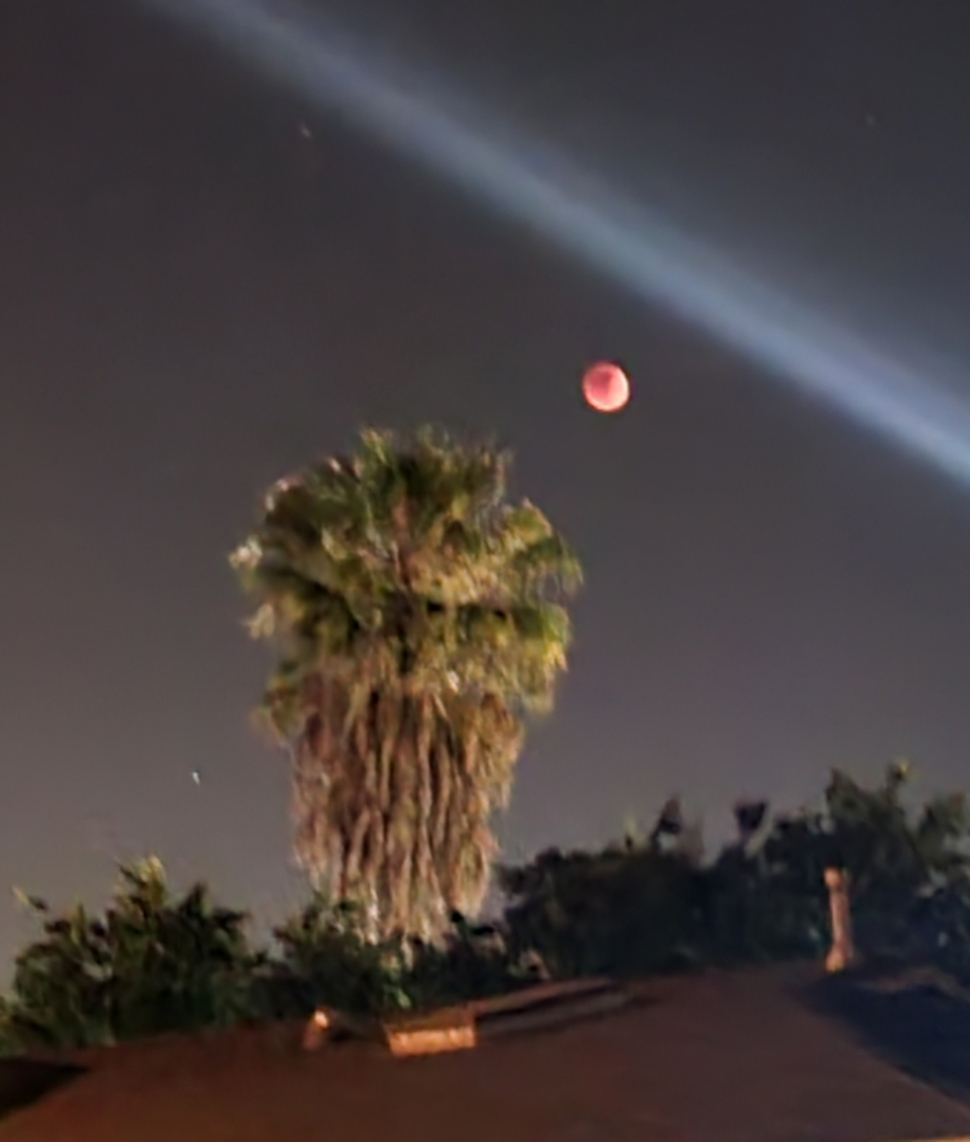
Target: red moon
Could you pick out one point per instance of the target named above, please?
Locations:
(606, 387)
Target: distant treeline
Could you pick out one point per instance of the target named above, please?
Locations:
(155, 961)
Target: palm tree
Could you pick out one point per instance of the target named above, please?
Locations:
(416, 615)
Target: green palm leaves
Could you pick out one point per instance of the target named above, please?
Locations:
(416, 615)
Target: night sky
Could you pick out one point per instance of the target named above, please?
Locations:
(195, 298)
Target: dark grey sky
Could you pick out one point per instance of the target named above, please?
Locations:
(194, 298)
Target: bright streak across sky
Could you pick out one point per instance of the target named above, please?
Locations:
(617, 237)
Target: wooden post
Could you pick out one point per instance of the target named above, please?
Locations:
(842, 952)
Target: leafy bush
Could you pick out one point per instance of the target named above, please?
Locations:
(151, 964)
(621, 911)
(326, 960)
(155, 963)
(909, 876)
(637, 908)
(472, 962)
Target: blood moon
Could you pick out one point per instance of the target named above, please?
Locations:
(606, 387)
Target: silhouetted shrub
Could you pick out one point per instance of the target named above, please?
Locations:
(325, 960)
(638, 908)
(152, 963)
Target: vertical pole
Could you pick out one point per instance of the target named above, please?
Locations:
(842, 952)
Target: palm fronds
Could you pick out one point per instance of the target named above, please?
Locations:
(416, 615)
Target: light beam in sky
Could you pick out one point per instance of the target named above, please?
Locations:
(615, 236)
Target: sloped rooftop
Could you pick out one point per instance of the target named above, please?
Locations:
(722, 1057)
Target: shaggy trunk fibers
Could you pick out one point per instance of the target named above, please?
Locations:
(393, 798)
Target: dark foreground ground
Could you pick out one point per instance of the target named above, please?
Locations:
(747, 1057)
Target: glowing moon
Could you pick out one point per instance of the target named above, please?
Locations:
(606, 387)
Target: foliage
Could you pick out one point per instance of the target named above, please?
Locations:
(326, 960)
(154, 962)
(472, 962)
(151, 963)
(628, 909)
(416, 614)
(909, 878)
(639, 907)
